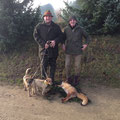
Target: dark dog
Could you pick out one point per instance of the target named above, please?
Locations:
(28, 83)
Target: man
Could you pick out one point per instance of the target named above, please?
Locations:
(74, 47)
(48, 35)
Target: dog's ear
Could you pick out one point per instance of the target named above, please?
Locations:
(48, 79)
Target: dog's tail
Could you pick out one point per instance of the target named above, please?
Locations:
(28, 71)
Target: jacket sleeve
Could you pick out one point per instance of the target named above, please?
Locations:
(37, 37)
(86, 36)
(59, 38)
(64, 37)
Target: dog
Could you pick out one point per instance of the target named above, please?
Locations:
(72, 92)
(32, 85)
(43, 84)
(28, 83)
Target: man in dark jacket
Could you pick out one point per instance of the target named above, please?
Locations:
(74, 46)
(48, 35)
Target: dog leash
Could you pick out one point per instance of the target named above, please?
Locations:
(31, 80)
(41, 59)
(35, 72)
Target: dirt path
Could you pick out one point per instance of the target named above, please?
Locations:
(16, 105)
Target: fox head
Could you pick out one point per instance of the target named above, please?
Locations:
(62, 84)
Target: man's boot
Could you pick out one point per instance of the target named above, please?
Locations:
(76, 80)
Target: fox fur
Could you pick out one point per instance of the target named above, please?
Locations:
(72, 92)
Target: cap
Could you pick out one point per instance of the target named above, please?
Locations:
(72, 17)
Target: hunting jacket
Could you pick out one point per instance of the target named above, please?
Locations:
(73, 39)
(43, 33)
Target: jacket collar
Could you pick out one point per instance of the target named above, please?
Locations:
(51, 24)
(74, 28)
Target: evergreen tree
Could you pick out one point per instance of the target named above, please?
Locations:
(96, 16)
(17, 21)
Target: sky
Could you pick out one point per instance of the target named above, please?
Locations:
(57, 4)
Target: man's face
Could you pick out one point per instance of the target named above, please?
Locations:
(72, 22)
(47, 19)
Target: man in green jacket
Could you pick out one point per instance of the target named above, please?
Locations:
(48, 35)
(74, 46)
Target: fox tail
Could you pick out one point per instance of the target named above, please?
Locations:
(83, 97)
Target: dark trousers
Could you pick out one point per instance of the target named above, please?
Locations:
(51, 62)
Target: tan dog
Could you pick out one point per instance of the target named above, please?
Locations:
(72, 92)
(39, 83)
(29, 83)
(32, 85)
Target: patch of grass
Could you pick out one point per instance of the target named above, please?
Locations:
(100, 62)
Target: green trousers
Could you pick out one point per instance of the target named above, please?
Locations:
(68, 66)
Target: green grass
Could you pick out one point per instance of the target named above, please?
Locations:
(100, 62)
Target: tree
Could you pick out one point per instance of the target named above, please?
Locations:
(96, 16)
(17, 21)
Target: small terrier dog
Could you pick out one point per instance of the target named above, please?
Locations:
(32, 85)
(27, 82)
(72, 92)
(39, 83)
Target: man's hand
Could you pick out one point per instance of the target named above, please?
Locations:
(84, 47)
(52, 44)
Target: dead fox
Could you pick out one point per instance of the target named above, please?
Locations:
(72, 92)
